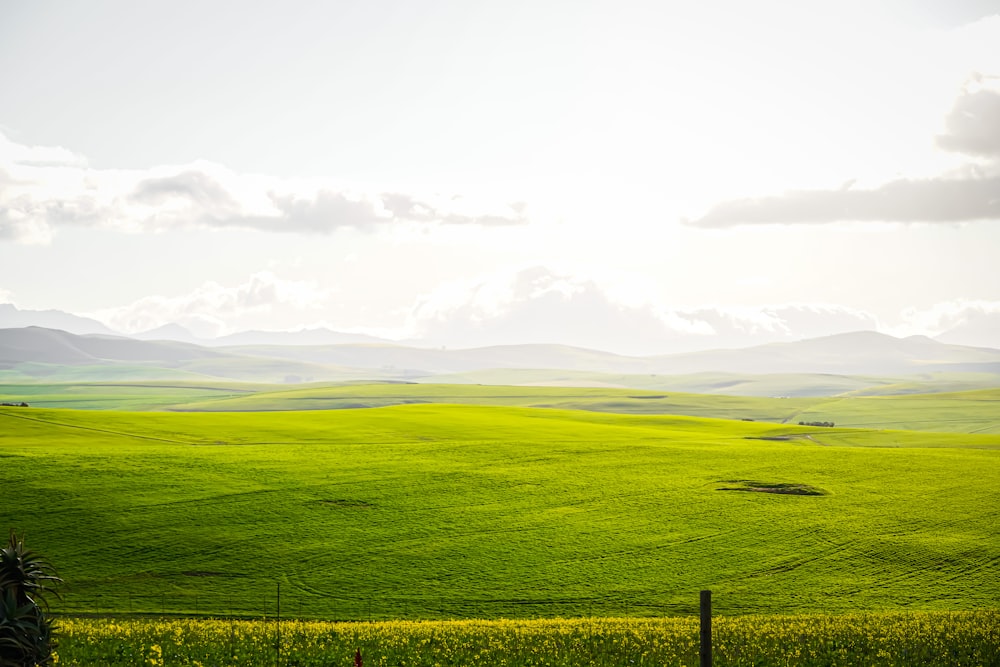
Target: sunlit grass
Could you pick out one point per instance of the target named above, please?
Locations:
(438, 511)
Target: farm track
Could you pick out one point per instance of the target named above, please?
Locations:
(202, 500)
(124, 434)
(169, 386)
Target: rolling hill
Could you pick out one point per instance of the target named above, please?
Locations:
(445, 511)
(12, 317)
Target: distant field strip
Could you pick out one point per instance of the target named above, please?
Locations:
(968, 411)
(465, 511)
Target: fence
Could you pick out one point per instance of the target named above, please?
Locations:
(582, 638)
(295, 603)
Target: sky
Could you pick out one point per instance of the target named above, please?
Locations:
(640, 177)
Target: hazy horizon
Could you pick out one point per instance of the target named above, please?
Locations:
(637, 177)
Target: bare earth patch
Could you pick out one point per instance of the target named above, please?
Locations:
(783, 488)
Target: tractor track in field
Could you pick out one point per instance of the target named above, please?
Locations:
(165, 386)
(792, 563)
(124, 434)
(202, 500)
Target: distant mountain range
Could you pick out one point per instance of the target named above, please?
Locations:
(11, 317)
(985, 328)
(43, 354)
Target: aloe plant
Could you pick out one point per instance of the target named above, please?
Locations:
(26, 579)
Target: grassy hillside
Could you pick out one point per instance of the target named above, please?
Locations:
(965, 412)
(124, 395)
(734, 384)
(474, 511)
(971, 411)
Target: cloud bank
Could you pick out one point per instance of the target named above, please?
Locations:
(974, 322)
(972, 128)
(214, 310)
(44, 188)
(948, 200)
(538, 305)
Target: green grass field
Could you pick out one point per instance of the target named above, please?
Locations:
(123, 395)
(460, 511)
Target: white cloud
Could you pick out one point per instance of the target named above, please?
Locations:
(15, 226)
(214, 310)
(533, 305)
(733, 326)
(537, 305)
(39, 156)
(42, 189)
(973, 125)
(960, 321)
(940, 200)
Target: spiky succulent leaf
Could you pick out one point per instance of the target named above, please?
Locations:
(25, 632)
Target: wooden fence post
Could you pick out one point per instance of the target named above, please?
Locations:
(706, 629)
(277, 643)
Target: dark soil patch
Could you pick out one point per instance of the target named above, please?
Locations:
(781, 488)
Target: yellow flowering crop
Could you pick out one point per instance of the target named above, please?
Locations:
(868, 640)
